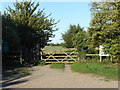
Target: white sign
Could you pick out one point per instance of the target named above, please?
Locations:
(101, 53)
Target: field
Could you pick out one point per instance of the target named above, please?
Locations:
(56, 49)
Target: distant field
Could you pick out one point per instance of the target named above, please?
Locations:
(55, 49)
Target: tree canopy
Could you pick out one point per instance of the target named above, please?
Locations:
(104, 26)
(33, 25)
(68, 36)
(27, 27)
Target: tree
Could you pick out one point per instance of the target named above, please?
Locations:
(104, 27)
(68, 36)
(79, 42)
(27, 28)
(32, 24)
(10, 34)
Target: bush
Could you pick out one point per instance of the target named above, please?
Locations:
(41, 63)
(81, 55)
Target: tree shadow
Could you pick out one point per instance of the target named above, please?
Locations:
(5, 84)
(8, 80)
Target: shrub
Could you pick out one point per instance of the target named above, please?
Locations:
(41, 63)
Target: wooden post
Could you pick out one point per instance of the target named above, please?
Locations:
(100, 58)
(41, 54)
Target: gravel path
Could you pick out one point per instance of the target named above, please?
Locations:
(44, 77)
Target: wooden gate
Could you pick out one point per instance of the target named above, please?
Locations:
(65, 57)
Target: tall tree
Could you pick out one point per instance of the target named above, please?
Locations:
(27, 28)
(10, 33)
(104, 27)
(79, 40)
(68, 36)
(32, 24)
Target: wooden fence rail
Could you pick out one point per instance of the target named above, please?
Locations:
(60, 58)
(64, 57)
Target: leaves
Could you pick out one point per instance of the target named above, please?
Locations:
(33, 26)
(69, 35)
(104, 28)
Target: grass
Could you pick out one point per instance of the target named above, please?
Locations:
(57, 66)
(55, 49)
(109, 72)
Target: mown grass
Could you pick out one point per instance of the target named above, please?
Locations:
(57, 66)
(109, 72)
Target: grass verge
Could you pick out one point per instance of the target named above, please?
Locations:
(109, 72)
(57, 66)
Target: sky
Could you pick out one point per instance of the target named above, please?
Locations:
(67, 12)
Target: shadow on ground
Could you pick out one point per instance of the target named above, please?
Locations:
(11, 76)
(13, 83)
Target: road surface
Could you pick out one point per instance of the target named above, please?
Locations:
(45, 77)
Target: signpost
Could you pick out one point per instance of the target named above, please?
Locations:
(101, 52)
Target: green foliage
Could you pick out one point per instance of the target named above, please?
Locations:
(104, 27)
(57, 66)
(79, 40)
(106, 62)
(110, 72)
(33, 25)
(42, 63)
(25, 27)
(68, 36)
(10, 33)
(39, 62)
(81, 54)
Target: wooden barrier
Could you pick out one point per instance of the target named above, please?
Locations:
(60, 57)
(64, 57)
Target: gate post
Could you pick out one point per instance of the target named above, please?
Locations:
(41, 54)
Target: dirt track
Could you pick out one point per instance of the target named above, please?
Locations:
(44, 77)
